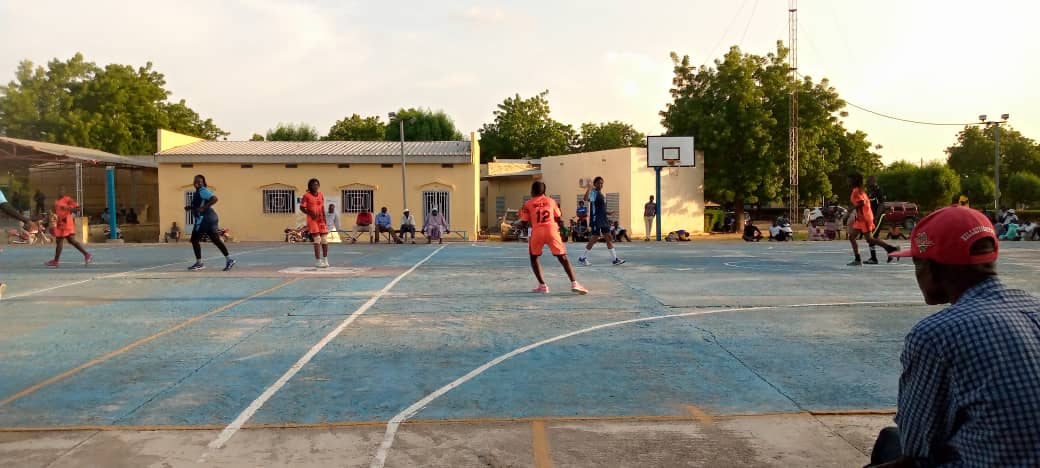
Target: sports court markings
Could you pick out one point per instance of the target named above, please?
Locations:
(259, 402)
(98, 360)
(123, 274)
(395, 422)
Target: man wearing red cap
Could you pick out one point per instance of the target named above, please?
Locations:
(969, 394)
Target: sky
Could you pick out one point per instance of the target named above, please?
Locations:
(250, 64)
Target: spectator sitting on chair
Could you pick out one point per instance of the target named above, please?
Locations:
(968, 394)
(751, 232)
(385, 224)
(332, 218)
(363, 223)
(583, 213)
(1030, 231)
(407, 224)
(175, 233)
(433, 226)
(619, 232)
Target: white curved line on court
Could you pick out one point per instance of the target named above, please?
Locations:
(395, 422)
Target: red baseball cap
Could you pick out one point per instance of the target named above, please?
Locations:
(946, 236)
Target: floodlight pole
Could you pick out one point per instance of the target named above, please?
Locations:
(657, 201)
(110, 190)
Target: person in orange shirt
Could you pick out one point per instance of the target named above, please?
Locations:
(864, 221)
(65, 228)
(313, 205)
(543, 215)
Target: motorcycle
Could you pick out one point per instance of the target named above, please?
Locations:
(299, 234)
(28, 237)
(821, 215)
(781, 230)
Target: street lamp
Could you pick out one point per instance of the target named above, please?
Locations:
(996, 154)
(404, 195)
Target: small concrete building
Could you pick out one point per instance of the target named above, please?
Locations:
(260, 183)
(505, 184)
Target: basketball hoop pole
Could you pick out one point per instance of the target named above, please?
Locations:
(657, 171)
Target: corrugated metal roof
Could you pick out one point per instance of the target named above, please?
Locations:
(527, 173)
(81, 154)
(320, 148)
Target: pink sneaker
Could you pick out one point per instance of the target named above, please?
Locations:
(52, 263)
(87, 259)
(578, 288)
(541, 289)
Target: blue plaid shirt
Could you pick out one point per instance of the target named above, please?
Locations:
(970, 390)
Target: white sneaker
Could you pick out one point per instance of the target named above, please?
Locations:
(583, 261)
(3, 287)
(318, 263)
(325, 263)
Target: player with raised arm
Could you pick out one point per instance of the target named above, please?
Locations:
(599, 224)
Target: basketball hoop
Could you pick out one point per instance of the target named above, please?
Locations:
(673, 167)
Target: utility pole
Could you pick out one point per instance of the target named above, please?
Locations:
(404, 184)
(996, 154)
(792, 144)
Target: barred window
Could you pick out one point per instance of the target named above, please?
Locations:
(189, 215)
(439, 200)
(279, 201)
(500, 206)
(614, 205)
(356, 201)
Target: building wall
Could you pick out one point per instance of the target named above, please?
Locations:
(624, 172)
(240, 192)
(514, 189)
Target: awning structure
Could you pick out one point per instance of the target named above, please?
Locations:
(19, 154)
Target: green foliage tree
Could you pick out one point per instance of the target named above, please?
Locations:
(115, 108)
(523, 128)
(256, 137)
(422, 125)
(1023, 188)
(979, 189)
(738, 111)
(292, 132)
(357, 128)
(972, 155)
(610, 135)
(934, 185)
(895, 180)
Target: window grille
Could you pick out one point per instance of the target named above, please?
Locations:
(279, 201)
(189, 215)
(356, 201)
(439, 200)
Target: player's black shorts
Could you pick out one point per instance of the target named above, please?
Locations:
(602, 228)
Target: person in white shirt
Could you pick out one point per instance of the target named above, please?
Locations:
(332, 218)
(407, 224)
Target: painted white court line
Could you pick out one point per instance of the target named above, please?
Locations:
(259, 402)
(122, 274)
(395, 422)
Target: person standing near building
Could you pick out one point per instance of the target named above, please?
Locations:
(206, 223)
(649, 213)
(599, 225)
(332, 218)
(65, 228)
(41, 201)
(968, 393)
(9, 210)
(877, 200)
(543, 215)
(864, 221)
(313, 206)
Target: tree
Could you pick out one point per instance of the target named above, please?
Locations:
(1023, 188)
(738, 112)
(427, 126)
(356, 128)
(978, 189)
(973, 153)
(610, 135)
(934, 185)
(256, 137)
(292, 132)
(116, 108)
(895, 180)
(524, 129)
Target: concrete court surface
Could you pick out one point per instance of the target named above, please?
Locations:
(710, 353)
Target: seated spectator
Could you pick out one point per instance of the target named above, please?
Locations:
(175, 233)
(131, 217)
(751, 232)
(619, 232)
(1030, 231)
(434, 226)
(1010, 232)
(583, 213)
(968, 394)
(105, 216)
(895, 233)
(363, 223)
(385, 224)
(407, 224)
(332, 218)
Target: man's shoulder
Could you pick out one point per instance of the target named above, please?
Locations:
(984, 309)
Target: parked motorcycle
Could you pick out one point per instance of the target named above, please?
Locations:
(294, 235)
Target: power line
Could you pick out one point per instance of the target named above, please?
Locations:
(919, 122)
(724, 33)
(748, 26)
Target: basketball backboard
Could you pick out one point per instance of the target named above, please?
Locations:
(662, 151)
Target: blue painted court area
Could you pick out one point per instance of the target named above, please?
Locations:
(727, 327)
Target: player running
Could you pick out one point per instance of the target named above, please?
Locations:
(11, 211)
(543, 215)
(205, 223)
(313, 205)
(65, 228)
(600, 222)
(864, 223)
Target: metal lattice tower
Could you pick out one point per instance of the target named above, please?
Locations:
(792, 147)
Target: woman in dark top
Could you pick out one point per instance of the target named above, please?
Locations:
(205, 223)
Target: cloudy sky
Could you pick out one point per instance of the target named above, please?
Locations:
(249, 64)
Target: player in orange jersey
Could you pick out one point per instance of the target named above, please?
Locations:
(313, 205)
(543, 215)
